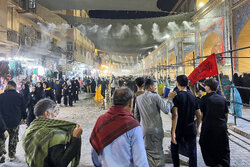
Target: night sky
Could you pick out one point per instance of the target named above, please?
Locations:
(165, 5)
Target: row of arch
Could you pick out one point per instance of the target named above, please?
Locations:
(213, 44)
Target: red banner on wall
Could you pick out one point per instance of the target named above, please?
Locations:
(207, 68)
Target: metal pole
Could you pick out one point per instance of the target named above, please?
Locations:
(232, 71)
(193, 60)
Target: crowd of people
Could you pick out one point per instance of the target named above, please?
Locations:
(21, 107)
(52, 89)
(243, 81)
(112, 143)
(130, 133)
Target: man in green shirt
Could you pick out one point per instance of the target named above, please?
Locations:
(49, 142)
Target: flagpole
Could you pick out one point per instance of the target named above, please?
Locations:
(222, 93)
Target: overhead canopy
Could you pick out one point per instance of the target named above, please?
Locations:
(130, 36)
(135, 5)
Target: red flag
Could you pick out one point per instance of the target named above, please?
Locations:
(207, 68)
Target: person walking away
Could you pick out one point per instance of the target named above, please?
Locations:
(93, 85)
(121, 82)
(147, 112)
(31, 104)
(103, 88)
(80, 84)
(235, 107)
(84, 85)
(71, 94)
(58, 92)
(65, 95)
(12, 111)
(107, 83)
(48, 92)
(113, 85)
(88, 85)
(120, 142)
(140, 90)
(77, 89)
(99, 81)
(184, 126)
(52, 83)
(74, 89)
(98, 95)
(214, 140)
(130, 84)
(49, 142)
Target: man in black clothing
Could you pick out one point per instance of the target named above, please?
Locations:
(107, 83)
(99, 81)
(32, 100)
(65, 94)
(12, 111)
(88, 82)
(58, 92)
(48, 92)
(121, 82)
(52, 83)
(199, 94)
(39, 91)
(130, 84)
(103, 88)
(71, 93)
(214, 140)
(93, 86)
(184, 127)
(77, 89)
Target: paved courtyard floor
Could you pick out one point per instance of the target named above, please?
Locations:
(86, 111)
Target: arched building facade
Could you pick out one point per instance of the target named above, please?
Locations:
(215, 24)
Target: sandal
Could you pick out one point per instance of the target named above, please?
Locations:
(2, 159)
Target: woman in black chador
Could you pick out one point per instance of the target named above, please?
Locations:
(25, 92)
(65, 94)
(77, 89)
(48, 91)
(213, 137)
(71, 94)
(32, 100)
(39, 91)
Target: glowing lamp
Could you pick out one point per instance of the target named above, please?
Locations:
(201, 4)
